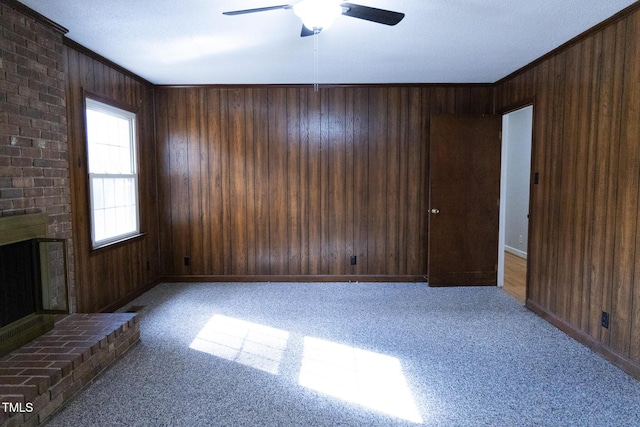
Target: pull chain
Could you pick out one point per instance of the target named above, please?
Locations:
(315, 59)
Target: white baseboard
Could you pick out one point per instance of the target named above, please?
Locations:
(515, 251)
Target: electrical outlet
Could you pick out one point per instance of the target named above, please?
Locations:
(187, 261)
(353, 260)
(604, 320)
(521, 239)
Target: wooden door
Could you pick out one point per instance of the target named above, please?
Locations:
(464, 180)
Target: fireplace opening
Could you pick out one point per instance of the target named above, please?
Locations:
(33, 281)
(17, 282)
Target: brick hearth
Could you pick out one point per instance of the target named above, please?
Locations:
(47, 372)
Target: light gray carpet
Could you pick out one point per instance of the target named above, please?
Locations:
(285, 355)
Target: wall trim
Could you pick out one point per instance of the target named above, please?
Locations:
(294, 278)
(516, 252)
(91, 54)
(523, 103)
(323, 86)
(121, 302)
(622, 362)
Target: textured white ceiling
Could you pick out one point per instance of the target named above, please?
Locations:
(439, 41)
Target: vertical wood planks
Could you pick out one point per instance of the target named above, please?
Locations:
(360, 164)
(113, 274)
(239, 186)
(415, 256)
(194, 247)
(584, 243)
(627, 201)
(294, 217)
(632, 133)
(377, 181)
(278, 188)
(337, 182)
(288, 181)
(179, 186)
(261, 182)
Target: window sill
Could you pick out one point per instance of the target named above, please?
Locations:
(118, 243)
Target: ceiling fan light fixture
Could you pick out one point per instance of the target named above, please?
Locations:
(317, 14)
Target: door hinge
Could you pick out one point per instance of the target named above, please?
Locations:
(500, 135)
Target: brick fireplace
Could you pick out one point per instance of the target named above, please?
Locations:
(34, 166)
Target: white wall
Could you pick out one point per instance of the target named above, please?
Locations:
(518, 126)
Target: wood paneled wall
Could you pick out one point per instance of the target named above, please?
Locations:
(285, 181)
(107, 277)
(584, 251)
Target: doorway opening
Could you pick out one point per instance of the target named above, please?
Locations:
(517, 131)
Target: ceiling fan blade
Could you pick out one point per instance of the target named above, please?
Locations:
(259, 9)
(381, 16)
(307, 32)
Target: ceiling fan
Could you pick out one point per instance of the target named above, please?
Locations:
(318, 15)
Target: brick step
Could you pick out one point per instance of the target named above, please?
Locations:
(38, 378)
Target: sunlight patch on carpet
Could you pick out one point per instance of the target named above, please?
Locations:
(247, 343)
(370, 379)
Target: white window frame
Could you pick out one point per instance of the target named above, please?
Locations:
(118, 236)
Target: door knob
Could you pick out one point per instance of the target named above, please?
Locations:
(435, 211)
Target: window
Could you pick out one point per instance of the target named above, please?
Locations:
(113, 175)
